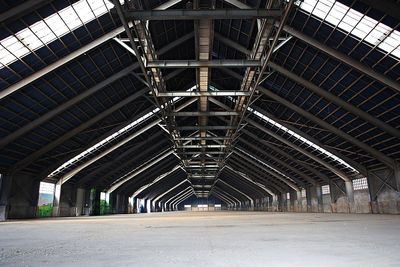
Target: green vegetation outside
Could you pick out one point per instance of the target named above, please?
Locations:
(45, 210)
(104, 207)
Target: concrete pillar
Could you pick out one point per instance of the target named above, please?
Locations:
(80, 201)
(350, 195)
(314, 198)
(64, 203)
(283, 203)
(95, 202)
(299, 201)
(5, 188)
(19, 196)
(308, 198)
(87, 206)
(275, 203)
(57, 199)
(318, 191)
(397, 175)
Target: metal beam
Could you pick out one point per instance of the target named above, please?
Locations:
(173, 203)
(215, 188)
(216, 63)
(167, 4)
(258, 173)
(244, 176)
(388, 7)
(336, 100)
(31, 125)
(95, 175)
(193, 128)
(237, 190)
(344, 58)
(37, 74)
(202, 146)
(377, 154)
(183, 192)
(267, 168)
(356, 165)
(180, 201)
(200, 94)
(335, 170)
(204, 113)
(25, 8)
(288, 156)
(169, 190)
(231, 43)
(159, 178)
(202, 152)
(177, 200)
(26, 161)
(142, 168)
(196, 14)
(224, 199)
(177, 195)
(238, 4)
(198, 138)
(284, 164)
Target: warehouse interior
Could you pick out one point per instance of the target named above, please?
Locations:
(241, 108)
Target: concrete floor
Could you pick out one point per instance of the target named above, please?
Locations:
(200, 239)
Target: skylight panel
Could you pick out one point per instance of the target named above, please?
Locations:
(43, 32)
(357, 24)
(70, 17)
(84, 11)
(57, 25)
(49, 29)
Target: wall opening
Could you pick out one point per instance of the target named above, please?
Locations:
(46, 198)
(360, 184)
(325, 189)
(105, 207)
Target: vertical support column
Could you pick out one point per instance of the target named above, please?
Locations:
(314, 198)
(57, 199)
(350, 195)
(309, 199)
(87, 206)
(22, 197)
(64, 202)
(299, 203)
(283, 202)
(95, 202)
(80, 201)
(397, 175)
(318, 191)
(5, 188)
(275, 203)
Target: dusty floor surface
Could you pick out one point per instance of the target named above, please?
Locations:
(200, 239)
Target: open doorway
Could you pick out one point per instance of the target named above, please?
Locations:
(46, 198)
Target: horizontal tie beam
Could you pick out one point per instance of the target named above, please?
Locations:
(187, 14)
(204, 113)
(199, 94)
(223, 63)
